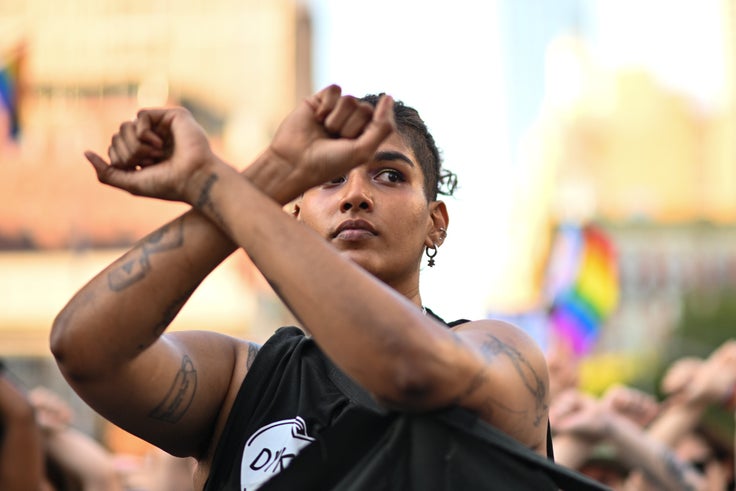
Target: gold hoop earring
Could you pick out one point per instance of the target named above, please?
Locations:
(430, 252)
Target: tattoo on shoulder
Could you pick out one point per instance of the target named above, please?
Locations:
(493, 347)
(180, 395)
(253, 350)
(136, 265)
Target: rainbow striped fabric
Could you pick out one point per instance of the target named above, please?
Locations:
(9, 74)
(582, 283)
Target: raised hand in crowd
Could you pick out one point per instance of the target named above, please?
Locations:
(580, 422)
(21, 446)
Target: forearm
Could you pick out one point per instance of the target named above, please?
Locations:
(677, 419)
(571, 451)
(132, 301)
(655, 460)
(333, 298)
(84, 458)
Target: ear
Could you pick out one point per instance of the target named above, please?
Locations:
(440, 220)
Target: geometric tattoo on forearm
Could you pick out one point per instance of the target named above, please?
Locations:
(137, 265)
(180, 395)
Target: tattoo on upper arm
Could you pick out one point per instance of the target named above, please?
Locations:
(492, 347)
(180, 395)
(253, 349)
(136, 266)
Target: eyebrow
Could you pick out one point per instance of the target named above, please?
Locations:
(388, 156)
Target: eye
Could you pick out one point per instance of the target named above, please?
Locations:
(335, 181)
(390, 175)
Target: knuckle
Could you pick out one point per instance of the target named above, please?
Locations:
(365, 109)
(349, 101)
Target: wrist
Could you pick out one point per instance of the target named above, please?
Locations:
(198, 187)
(274, 176)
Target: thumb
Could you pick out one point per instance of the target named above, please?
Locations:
(98, 163)
(106, 174)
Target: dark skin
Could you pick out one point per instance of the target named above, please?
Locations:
(351, 277)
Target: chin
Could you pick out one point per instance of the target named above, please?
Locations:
(361, 259)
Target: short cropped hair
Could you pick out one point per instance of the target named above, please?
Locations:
(412, 127)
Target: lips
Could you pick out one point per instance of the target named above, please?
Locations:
(354, 230)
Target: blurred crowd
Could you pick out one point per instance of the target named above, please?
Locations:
(40, 449)
(627, 439)
(631, 440)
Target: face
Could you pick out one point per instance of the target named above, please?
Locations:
(378, 214)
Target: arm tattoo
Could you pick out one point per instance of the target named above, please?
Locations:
(137, 266)
(474, 384)
(676, 469)
(180, 395)
(167, 237)
(492, 347)
(205, 201)
(131, 271)
(253, 349)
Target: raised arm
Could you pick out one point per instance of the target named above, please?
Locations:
(76, 453)
(170, 389)
(581, 422)
(374, 333)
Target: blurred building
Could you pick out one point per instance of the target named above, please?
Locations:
(618, 145)
(76, 70)
(658, 170)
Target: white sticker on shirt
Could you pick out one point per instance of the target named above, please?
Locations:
(270, 450)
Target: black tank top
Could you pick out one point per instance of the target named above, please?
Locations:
(288, 398)
(291, 394)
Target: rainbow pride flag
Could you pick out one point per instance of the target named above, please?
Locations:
(9, 76)
(582, 283)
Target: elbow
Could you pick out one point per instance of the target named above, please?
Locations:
(62, 343)
(58, 338)
(413, 388)
(418, 375)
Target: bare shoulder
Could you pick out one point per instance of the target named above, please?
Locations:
(220, 356)
(511, 388)
(490, 334)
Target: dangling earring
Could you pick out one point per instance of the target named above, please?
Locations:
(430, 252)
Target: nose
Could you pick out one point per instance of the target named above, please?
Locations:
(356, 194)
